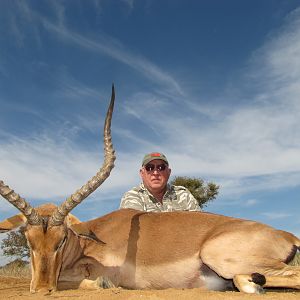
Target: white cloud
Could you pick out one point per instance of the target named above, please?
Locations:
(59, 11)
(36, 165)
(47, 169)
(276, 215)
(281, 54)
(103, 44)
(250, 202)
(129, 3)
(113, 48)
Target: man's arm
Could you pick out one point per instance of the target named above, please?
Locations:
(186, 199)
(132, 200)
(192, 203)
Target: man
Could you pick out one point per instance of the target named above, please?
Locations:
(155, 193)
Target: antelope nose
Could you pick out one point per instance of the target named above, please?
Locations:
(44, 290)
(49, 292)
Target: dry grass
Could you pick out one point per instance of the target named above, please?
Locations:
(296, 260)
(16, 268)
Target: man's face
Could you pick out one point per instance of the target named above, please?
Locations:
(155, 175)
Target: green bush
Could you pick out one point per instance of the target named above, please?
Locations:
(203, 192)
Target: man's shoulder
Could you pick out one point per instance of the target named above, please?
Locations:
(179, 188)
(137, 189)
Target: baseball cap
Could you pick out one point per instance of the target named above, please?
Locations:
(152, 156)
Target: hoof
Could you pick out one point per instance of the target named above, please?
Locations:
(104, 282)
(258, 278)
(260, 290)
(249, 284)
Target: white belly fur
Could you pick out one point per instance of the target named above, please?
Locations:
(186, 273)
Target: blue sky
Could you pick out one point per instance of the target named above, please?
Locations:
(214, 85)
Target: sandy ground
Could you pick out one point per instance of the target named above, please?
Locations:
(15, 288)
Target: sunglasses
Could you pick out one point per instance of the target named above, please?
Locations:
(151, 167)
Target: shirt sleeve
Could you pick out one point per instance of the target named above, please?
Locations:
(132, 200)
(192, 203)
(186, 199)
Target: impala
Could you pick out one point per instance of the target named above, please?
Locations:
(138, 250)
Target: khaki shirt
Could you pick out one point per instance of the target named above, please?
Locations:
(175, 198)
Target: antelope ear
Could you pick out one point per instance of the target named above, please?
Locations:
(83, 231)
(12, 223)
(72, 220)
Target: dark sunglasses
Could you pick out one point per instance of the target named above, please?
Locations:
(151, 167)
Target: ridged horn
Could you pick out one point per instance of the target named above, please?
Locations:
(33, 218)
(61, 212)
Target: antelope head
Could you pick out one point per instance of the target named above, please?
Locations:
(46, 228)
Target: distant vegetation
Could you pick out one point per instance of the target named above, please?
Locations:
(16, 268)
(15, 244)
(203, 192)
(296, 260)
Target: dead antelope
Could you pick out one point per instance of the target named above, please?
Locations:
(138, 250)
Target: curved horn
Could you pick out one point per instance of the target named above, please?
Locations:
(20, 203)
(61, 212)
